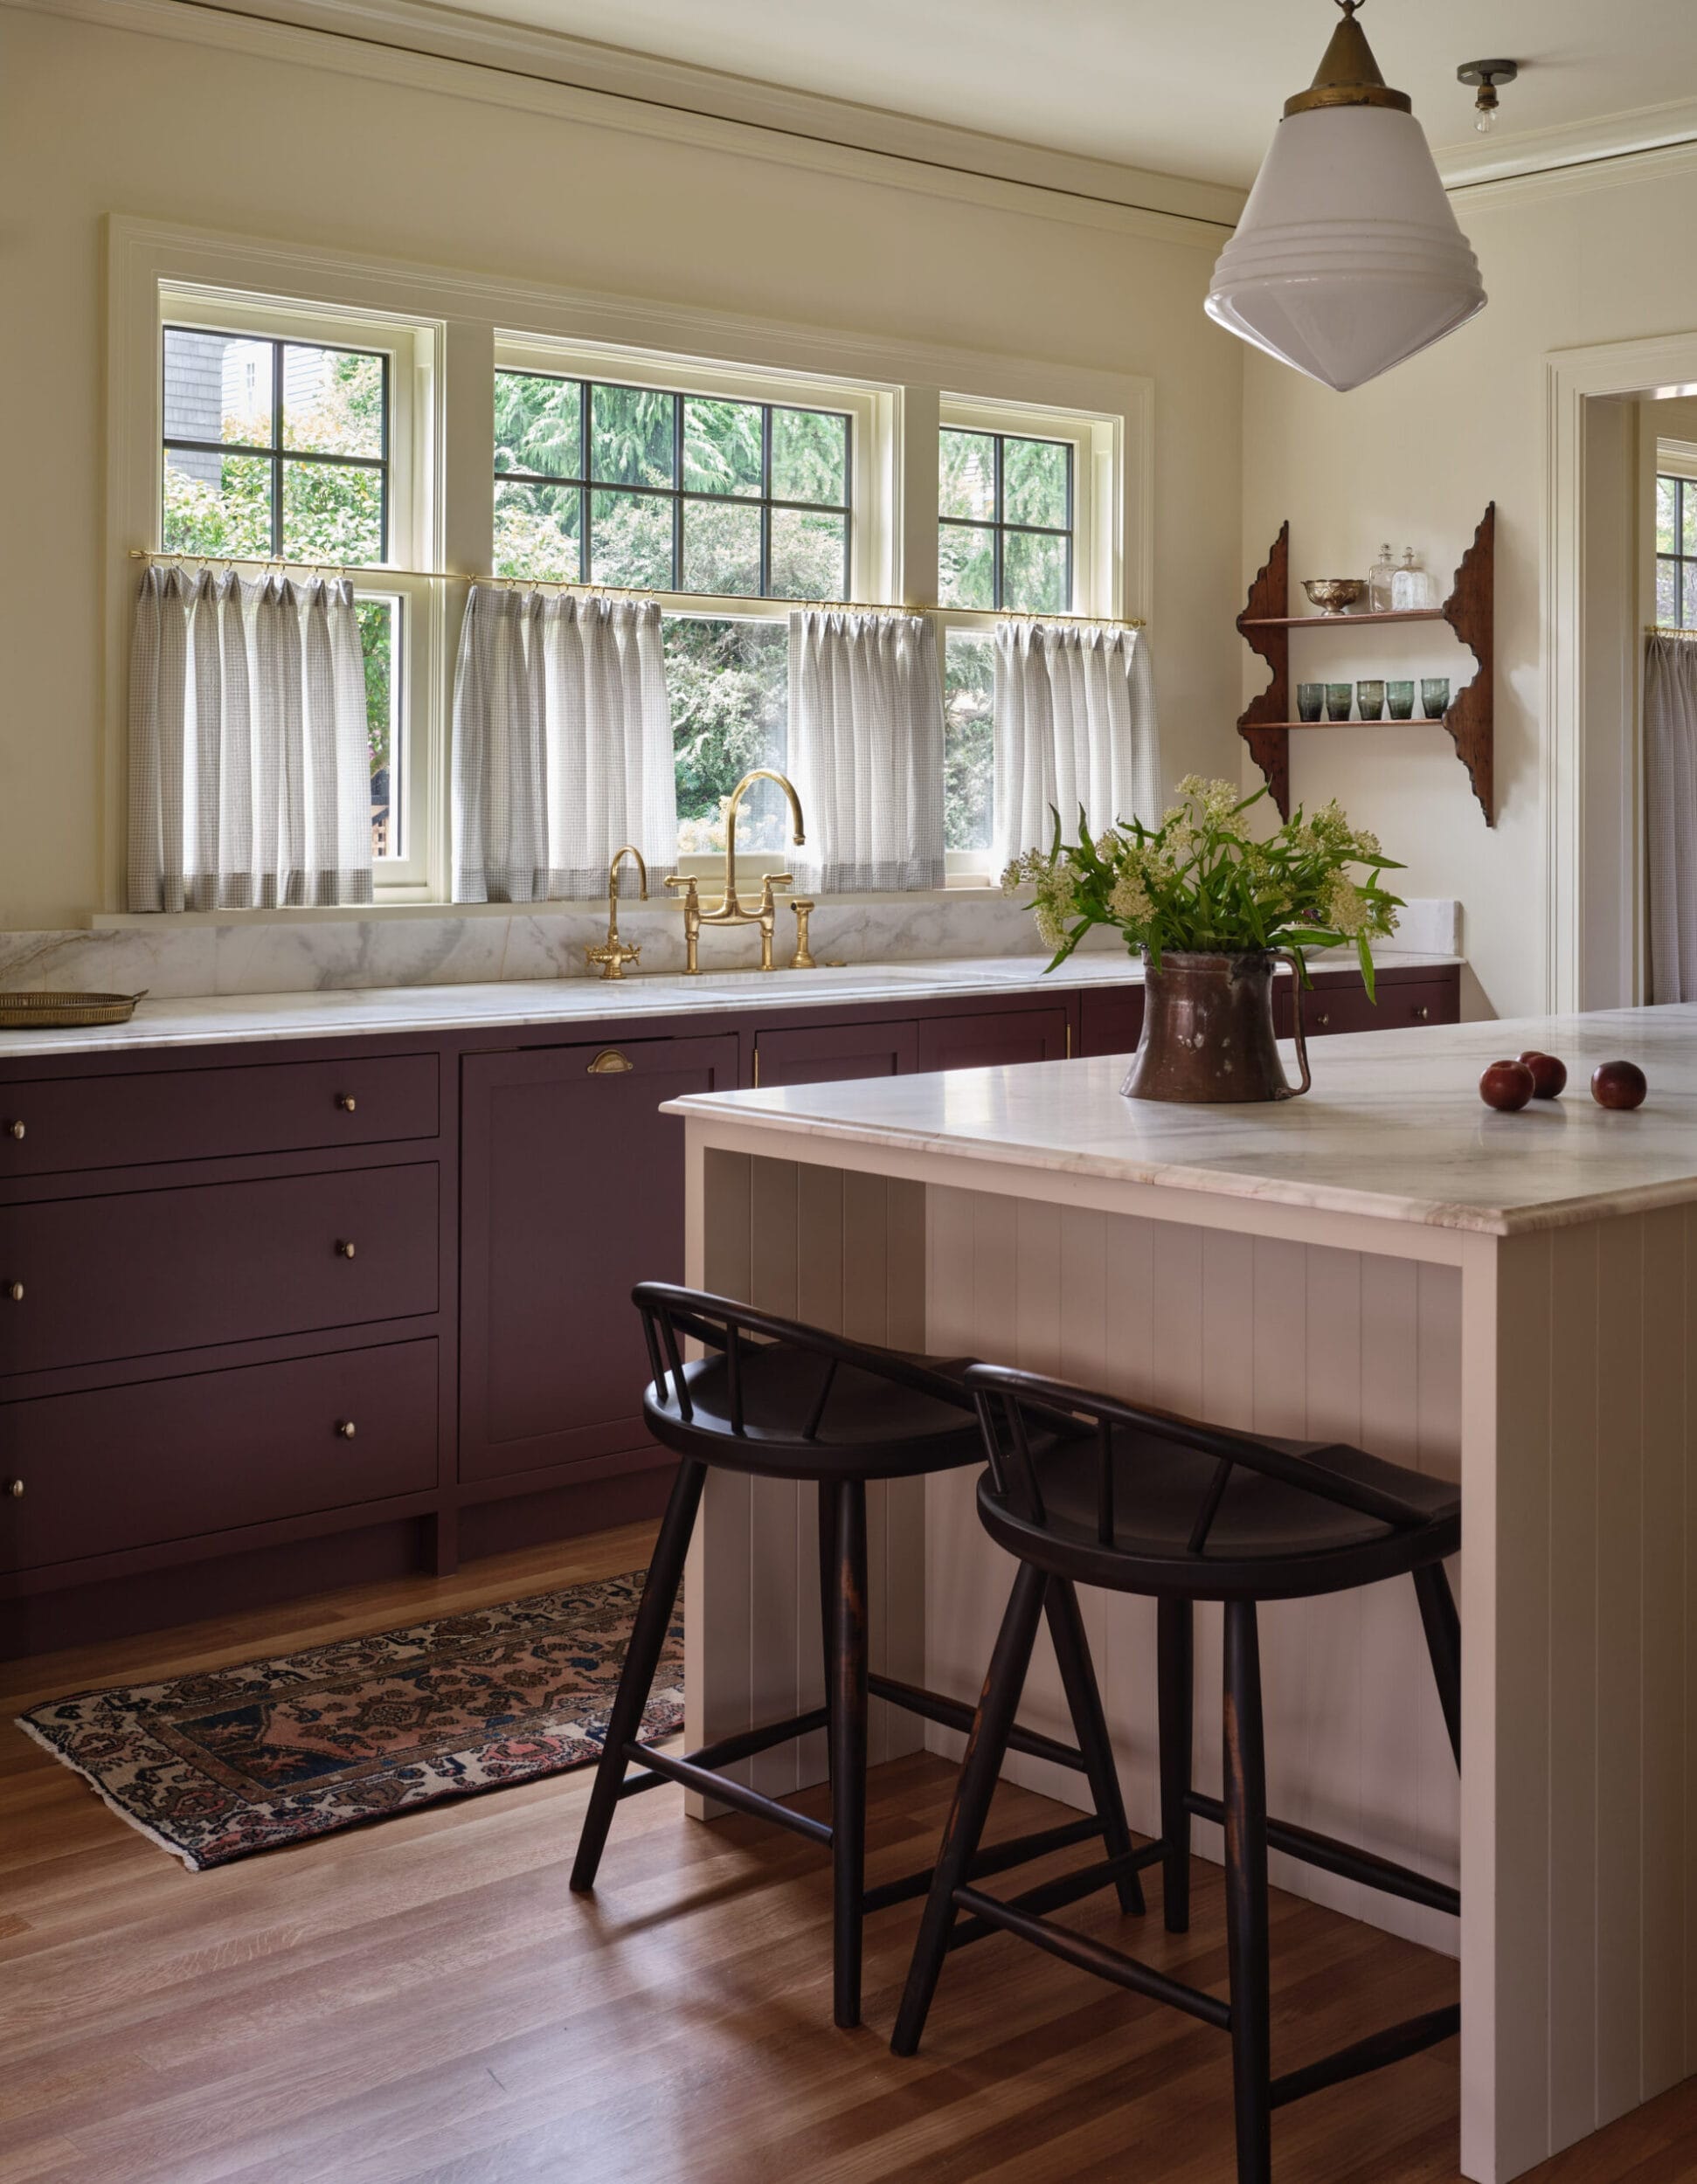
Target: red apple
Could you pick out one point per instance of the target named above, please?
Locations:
(1619, 1084)
(1549, 1075)
(1508, 1085)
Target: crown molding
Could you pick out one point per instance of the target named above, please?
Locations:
(1534, 154)
(420, 46)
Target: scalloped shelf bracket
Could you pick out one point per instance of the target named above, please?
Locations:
(1470, 610)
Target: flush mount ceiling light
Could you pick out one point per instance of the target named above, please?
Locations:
(1485, 76)
(1347, 259)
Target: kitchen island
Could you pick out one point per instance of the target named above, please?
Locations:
(1504, 1298)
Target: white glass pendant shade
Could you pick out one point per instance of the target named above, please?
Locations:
(1348, 257)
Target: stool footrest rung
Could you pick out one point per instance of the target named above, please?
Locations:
(733, 1793)
(1097, 1956)
(729, 1750)
(1017, 1850)
(953, 1713)
(1066, 1888)
(1342, 1858)
(1393, 2045)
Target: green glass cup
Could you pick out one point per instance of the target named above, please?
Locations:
(1399, 700)
(1370, 701)
(1310, 701)
(1435, 697)
(1339, 698)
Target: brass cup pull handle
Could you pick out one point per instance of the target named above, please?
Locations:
(14, 1290)
(344, 1249)
(609, 1064)
(346, 1101)
(15, 1488)
(345, 1427)
(14, 1129)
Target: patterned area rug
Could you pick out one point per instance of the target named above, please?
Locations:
(214, 1767)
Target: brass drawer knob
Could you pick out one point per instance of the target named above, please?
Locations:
(345, 1427)
(1323, 1019)
(14, 1129)
(15, 1488)
(609, 1064)
(1422, 1014)
(346, 1101)
(344, 1249)
(14, 1290)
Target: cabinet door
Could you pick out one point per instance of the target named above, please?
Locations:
(828, 1055)
(1109, 1019)
(981, 1042)
(572, 1191)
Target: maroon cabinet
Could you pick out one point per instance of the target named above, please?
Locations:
(70, 1122)
(1334, 1004)
(999, 1035)
(572, 1192)
(130, 1273)
(121, 1467)
(828, 1054)
(1109, 1019)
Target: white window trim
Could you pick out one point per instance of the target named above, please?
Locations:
(462, 312)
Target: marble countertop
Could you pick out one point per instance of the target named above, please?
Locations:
(1394, 1127)
(388, 1010)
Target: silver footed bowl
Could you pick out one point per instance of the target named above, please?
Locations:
(1333, 595)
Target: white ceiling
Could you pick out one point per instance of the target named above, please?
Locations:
(1188, 87)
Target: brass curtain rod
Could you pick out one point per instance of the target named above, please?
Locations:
(1657, 629)
(598, 590)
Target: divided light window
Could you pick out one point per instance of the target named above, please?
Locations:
(666, 491)
(1006, 535)
(1676, 552)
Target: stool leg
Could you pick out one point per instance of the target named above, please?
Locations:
(654, 1615)
(846, 1677)
(1084, 1698)
(827, 1585)
(1175, 1675)
(1246, 1896)
(1438, 1613)
(986, 1746)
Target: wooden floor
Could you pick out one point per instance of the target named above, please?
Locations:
(424, 2002)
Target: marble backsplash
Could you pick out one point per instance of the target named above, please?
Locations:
(176, 961)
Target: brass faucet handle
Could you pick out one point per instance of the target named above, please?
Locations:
(774, 880)
(679, 879)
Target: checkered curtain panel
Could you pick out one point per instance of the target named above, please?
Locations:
(249, 780)
(562, 744)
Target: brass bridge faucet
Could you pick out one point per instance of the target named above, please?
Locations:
(730, 910)
(614, 954)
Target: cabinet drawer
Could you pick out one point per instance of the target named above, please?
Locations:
(131, 1274)
(999, 1035)
(129, 1467)
(1331, 1009)
(835, 1052)
(1109, 1019)
(71, 1123)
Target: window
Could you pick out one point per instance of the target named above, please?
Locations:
(597, 483)
(291, 433)
(1005, 510)
(1676, 551)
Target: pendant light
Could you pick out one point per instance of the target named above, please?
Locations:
(1348, 257)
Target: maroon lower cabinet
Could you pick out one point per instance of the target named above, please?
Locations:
(130, 1466)
(272, 1320)
(1000, 1035)
(571, 1193)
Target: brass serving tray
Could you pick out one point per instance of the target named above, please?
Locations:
(66, 1012)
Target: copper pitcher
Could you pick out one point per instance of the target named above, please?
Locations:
(1207, 1030)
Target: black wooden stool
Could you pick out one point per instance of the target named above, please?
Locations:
(795, 1403)
(1096, 1491)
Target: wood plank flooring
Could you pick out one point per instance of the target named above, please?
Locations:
(424, 2002)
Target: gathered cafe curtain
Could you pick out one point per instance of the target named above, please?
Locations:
(562, 744)
(1074, 726)
(1669, 801)
(866, 751)
(250, 780)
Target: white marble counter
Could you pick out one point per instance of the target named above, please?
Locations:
(1394, 1127)
(342, 1013)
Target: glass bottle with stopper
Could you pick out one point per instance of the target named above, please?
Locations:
(1411, 587)
(1379, 580)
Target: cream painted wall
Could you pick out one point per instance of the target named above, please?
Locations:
(1414, 458)
(94, 121)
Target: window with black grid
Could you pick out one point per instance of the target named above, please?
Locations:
(1005, 532)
